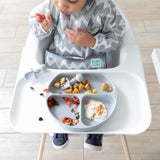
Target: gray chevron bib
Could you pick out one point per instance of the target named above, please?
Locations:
(100, 18)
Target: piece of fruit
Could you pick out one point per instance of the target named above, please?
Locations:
(75, 105)
(76, 100)
(31, 88)
(65, 98)
(67, 121)
(70, 120)
(50, 98)
(57, 104)
(76, 112)
(63, 119)
(77, 116)
(76, 120)
(87, 102)
(41, 94)
(73, 98)
(52, 102)
(46, 90)
(68, 102)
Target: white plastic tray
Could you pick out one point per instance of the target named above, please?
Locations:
(132, 114)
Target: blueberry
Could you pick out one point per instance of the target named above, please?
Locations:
(40, 119)
(31, 88)
(41, 94)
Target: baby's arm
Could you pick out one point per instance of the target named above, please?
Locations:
(44, 20)
(40, 21)
(113, 30)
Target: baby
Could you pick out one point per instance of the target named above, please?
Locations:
(83, 32)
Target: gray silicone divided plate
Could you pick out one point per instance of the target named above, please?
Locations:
(62, 110)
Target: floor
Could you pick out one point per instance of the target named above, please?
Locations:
(144, 16)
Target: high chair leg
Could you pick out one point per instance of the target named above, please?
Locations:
(125, 147)
(42, 143)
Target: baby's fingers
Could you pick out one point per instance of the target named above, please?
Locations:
(70, 33)
(42, 15)
(39, 17)
(48, 17)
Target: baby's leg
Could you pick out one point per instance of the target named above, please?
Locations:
(94, 142)
(60, 140)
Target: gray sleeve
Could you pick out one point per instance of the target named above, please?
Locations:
(113, 30)
(36, 28)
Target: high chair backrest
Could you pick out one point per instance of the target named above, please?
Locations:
(116, 58)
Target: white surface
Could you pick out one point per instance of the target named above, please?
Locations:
(156, 61)
(132, 115)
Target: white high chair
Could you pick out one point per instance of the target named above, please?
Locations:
(130, 67)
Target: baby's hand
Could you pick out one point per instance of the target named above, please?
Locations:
(45, 20)
(80, 37)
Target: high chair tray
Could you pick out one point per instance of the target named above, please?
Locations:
(128, 104)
